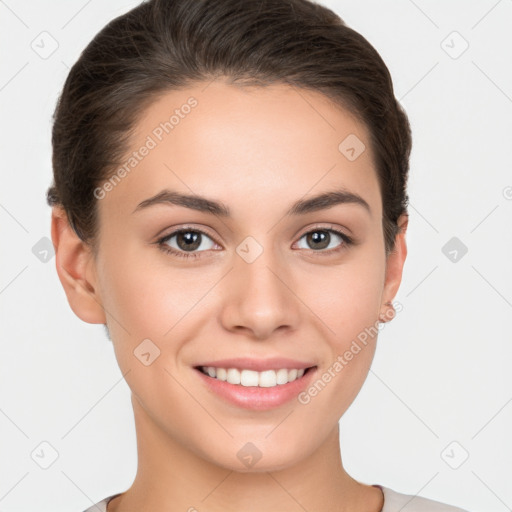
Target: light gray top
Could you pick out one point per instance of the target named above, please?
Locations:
(393, 502)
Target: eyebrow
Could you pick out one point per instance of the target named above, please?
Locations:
(300, 207)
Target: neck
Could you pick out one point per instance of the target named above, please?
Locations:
(170, 476)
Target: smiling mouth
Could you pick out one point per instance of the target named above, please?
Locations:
(252, 378)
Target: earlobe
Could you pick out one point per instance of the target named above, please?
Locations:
(395, 264)
(76, 269)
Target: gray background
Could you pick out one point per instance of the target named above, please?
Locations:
(440, 388)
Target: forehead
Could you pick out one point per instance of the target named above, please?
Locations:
(246, 146)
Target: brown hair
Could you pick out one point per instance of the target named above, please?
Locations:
(164, 45)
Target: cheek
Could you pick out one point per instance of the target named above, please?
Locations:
(349, 305)
(348, 298)
(147, 296)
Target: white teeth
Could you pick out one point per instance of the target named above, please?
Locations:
(249, 378)
(282, 376)
(233, 376)
(265, 379)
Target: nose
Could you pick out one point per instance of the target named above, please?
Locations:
(260, 297)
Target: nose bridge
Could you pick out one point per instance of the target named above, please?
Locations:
(258, 296)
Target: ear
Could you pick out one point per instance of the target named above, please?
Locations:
(395, 262)
(76, 269)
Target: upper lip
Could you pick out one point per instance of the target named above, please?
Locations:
(258, 365)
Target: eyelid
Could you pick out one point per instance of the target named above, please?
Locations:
(324, 226)
(172, 231)
(341, 231)
(348, 240)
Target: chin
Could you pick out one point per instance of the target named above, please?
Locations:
(249, 457)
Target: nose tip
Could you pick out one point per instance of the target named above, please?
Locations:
(258, 300)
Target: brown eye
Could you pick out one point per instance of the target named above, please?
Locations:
(318, 239)
(323, 240)
(187, 241)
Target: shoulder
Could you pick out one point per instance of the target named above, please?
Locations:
(395, 502)
(101, 506)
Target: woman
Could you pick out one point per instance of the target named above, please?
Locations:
(229, 199)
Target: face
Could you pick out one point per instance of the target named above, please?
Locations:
(260, 272)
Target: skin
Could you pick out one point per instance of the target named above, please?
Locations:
(258, 150)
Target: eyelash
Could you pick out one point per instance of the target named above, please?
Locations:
(347, 241)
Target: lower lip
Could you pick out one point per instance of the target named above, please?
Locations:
(254, 397)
